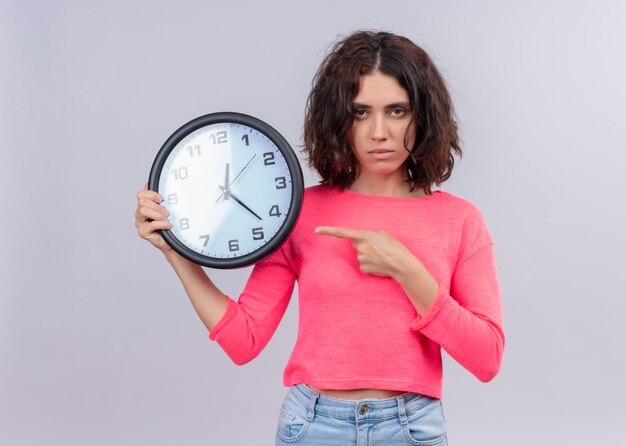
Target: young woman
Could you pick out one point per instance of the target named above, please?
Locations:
(389, 271)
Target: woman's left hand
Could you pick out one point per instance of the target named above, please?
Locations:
(378, 253)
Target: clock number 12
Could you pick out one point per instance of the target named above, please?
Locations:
(219, 137)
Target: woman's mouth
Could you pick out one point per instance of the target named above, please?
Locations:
(380, 154)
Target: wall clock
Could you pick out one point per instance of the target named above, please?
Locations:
(233, 187)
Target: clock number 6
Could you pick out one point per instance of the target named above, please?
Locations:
(233, 245)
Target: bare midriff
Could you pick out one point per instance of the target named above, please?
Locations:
(358, 394)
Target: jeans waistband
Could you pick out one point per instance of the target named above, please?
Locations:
(368, 408)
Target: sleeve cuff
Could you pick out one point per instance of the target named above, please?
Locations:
(421, 321)
(227, 316)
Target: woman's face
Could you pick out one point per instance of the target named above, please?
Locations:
(382, 113)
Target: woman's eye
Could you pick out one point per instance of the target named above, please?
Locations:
(359, 112)
(398, 112)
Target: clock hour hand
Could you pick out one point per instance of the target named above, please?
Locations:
(228, 194)
(225, 187)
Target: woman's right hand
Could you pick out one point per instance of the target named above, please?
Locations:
(151, 217)
(208, 301)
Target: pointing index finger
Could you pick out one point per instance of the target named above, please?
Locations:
(352, 234)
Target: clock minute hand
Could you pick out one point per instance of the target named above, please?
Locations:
(227, 193)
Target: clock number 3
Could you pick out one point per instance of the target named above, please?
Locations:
(281, 182)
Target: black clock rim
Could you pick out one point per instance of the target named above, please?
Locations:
(293, 165)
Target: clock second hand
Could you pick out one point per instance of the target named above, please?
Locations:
(228, 193)
(240, 172)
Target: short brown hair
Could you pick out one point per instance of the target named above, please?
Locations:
(329, 112)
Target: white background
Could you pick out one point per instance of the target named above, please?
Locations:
(98, 343)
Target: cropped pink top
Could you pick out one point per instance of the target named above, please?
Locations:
(361, 331)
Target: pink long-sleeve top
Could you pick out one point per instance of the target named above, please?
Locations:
(361, 331)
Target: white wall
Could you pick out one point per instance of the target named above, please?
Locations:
(98, 343)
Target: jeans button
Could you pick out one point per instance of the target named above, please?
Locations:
(364, 409)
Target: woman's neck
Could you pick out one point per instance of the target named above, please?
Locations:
(384, 186)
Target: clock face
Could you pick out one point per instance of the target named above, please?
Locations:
(233, 188)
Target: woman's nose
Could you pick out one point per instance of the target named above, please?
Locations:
(379, 131)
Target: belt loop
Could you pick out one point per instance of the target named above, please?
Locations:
(401, 410)
(311, 412)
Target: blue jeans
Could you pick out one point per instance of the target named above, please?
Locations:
(308, 418)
